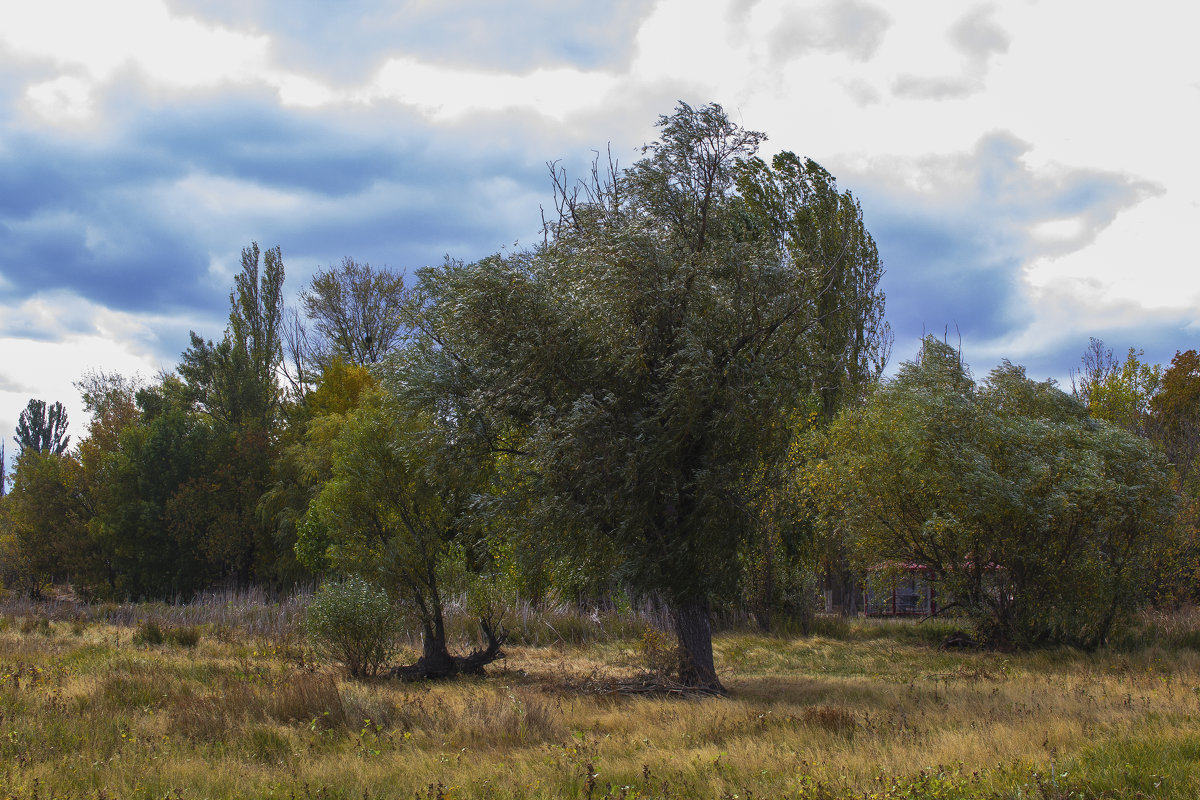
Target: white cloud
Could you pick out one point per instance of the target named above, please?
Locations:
(71, 336)
(446, 93)
(1142, 258)
(62, 99)
(91, 43)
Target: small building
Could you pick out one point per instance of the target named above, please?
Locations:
(899, 590)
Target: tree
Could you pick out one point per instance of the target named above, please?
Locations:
(1174, 424)
(304, 461)
(822, 230)
(236, 381)
(42, 430)
(396, 501)
(636, 361)
(47, 511)
(235, 384)
(1176, 412)
(149, 550)
(1119, 392)
(356, 310)
(1039, 521)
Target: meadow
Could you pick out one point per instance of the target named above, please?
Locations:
(224, 698)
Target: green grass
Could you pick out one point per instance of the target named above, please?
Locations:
(863, 709)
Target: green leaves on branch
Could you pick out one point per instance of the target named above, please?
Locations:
(1037, 520)
(355, 622)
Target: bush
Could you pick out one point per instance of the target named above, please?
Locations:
(148, 633)
(354, 622)
(183, 636)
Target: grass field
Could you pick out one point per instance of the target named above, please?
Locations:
(864, 709)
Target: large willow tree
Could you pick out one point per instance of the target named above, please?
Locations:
(636, 361)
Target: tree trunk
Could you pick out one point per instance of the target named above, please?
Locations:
(436, 661)
(694, 630)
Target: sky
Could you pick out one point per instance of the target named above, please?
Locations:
(1027, 169)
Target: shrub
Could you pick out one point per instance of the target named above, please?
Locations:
(148, 633)
(354, 622)
(183, 636)
(660, 654)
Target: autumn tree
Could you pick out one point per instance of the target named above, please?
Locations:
(1176, 410)
(1120, 392)
(304, 462)
(1175, 426)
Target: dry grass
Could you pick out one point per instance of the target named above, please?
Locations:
(84, 712)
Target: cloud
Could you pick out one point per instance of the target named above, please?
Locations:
(446, 93)
(74, 335)
(941, 88)
(850, 26)
(977, 38)
(13, 386)
(137, 217)
(956, 233)
(469, 34)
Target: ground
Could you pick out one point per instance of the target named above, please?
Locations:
(860, 709)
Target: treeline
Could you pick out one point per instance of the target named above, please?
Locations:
(675, 395)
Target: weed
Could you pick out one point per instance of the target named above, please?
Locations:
(659, 652)
(832, 719)
(148, 633)
(267, 744)
(182, 636)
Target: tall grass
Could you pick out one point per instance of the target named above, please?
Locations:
(861, 708)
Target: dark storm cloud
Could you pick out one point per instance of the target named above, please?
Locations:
(954, 247)
(347, 42)
(73, 219)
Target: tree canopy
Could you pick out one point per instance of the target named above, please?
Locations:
(1038, 520)
(42, 429)
(636, 360)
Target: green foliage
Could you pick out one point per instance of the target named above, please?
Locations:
(234, 381)
(42, 429)
(148, 632)
(1175, 426)
(637, 362)
(397, 498)
(46, 514)
(1040, 522)
(146, 484)
(1118, 392)
(356, 310)
(822, 229)
(356, 623)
